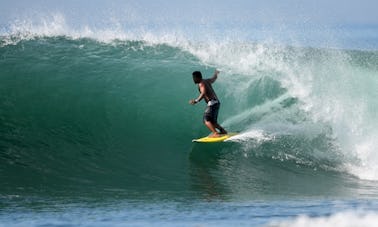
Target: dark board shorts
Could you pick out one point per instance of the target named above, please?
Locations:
(211, 113)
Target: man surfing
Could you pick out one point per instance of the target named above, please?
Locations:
(212, 102)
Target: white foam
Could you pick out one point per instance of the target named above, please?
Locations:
(367, 167)
(341, 219)
(56, 24)
(254, 134)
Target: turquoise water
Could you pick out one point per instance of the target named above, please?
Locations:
(97, 132)
(189, 213)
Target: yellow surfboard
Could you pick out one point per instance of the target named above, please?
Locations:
(222, 138)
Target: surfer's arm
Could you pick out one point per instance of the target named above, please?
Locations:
(200, 97)
(215, 76)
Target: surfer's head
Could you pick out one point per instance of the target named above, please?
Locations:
(197, 77)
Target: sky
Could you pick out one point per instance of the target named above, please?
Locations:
(330, 12)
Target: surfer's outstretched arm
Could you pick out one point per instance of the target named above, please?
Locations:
(215, 76)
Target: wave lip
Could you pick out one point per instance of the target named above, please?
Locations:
(57, 25)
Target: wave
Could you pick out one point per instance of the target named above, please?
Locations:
(110, 108)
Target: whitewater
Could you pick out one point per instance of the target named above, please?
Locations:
(95, 128)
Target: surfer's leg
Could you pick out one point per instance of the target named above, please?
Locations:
(209, 118)
(215, 119)
(220, 128)
(211, 126)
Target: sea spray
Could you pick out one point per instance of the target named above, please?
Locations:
(327, 86)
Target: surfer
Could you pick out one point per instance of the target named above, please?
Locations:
(212, 102)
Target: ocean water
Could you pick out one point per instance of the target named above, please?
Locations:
(96, 129)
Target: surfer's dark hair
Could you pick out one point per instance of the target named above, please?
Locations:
(197, 74)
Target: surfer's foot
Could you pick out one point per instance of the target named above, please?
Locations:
(223, 131)
(214, 135)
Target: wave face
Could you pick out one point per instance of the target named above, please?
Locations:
(81, 112)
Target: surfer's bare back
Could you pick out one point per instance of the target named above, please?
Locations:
(207, 93)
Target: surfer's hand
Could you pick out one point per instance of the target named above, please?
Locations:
(216, 72)
(192, 101)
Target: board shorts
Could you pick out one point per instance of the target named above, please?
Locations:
(211, 113)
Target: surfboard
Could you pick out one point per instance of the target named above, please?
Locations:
(222, 138)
